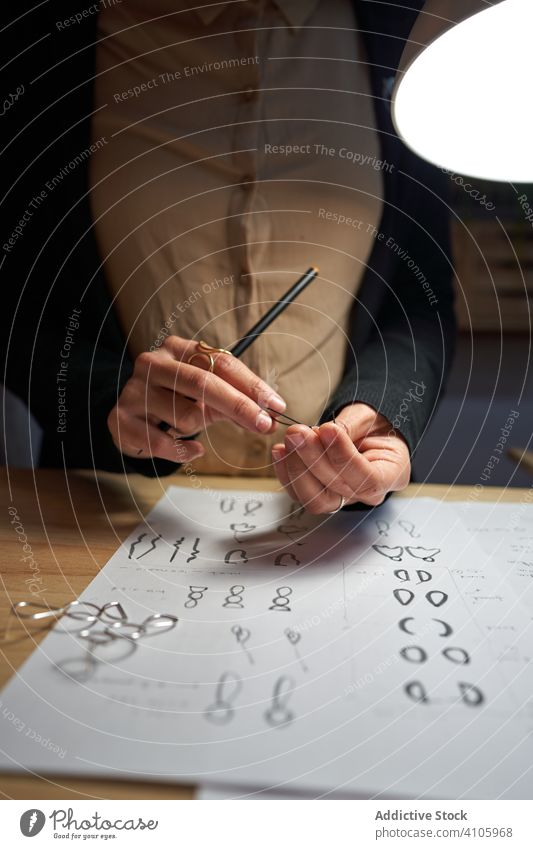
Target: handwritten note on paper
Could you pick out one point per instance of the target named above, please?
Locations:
(358, 654)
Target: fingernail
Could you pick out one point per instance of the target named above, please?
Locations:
(263, 421)
(277, 403)
(297, 439)
(276, 454)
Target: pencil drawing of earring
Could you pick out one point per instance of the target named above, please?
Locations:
(279, 714)
(242, 558)
(293, 532)
(227, 505)
(240, 528)
(252, 506)
(408, 527)
(242, 635)
(404, 575)
(445, 630)
(293, 560)
(222, 710)
(393, 552)
(420, 553)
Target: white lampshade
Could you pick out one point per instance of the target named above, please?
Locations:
(464, 95)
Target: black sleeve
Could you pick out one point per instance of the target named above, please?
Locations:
(66, 358)
(49, 262)
(401, 366)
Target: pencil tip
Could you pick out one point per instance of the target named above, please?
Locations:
(316, 269)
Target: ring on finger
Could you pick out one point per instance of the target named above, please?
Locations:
(341, 505)
(205, 350)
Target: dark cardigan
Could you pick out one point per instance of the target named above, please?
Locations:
(402, 329)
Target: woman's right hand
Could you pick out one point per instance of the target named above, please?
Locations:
(161, 388)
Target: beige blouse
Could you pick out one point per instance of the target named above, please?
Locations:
(239, 149)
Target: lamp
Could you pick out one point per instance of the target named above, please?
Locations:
(463, 98)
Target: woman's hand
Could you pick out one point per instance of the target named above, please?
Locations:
(161, 389)
(360, 457)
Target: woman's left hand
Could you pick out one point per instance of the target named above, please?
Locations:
(359, 458)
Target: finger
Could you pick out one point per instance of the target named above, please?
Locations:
(278, 457)
(200, 385)
(179, 347)
(360, 420)
(329, 502)
(136, 437)
(309, 490)
(356, 470)
(236, 373)
(233, 371)
(186, 417)
(185, 450)
(312, 453)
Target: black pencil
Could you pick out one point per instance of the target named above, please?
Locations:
(281, 305)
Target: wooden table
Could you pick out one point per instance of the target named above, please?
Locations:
(73, 524)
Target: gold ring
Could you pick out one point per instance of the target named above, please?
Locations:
(205, 350)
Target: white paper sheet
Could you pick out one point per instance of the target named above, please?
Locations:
(226, 792)
(505, 531)
(355, 654)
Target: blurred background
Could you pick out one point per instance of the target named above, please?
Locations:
(491, 377)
